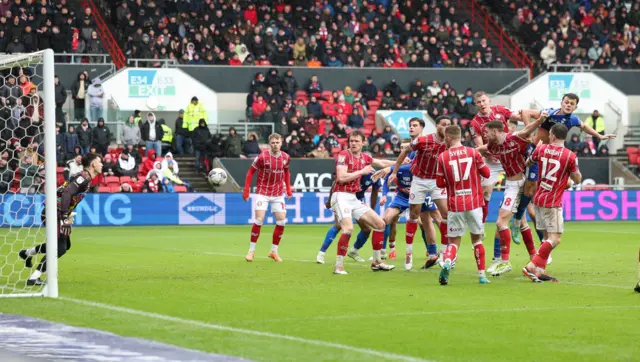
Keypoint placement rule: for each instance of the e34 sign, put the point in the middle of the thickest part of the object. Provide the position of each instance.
(146, 83)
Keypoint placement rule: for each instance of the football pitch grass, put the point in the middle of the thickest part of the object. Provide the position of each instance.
(190, 286)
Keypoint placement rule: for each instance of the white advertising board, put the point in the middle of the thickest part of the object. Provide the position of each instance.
(162, 89)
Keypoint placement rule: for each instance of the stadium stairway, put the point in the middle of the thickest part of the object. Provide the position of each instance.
(188, 172)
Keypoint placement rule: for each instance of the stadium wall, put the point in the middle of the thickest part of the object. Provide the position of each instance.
(18, 210)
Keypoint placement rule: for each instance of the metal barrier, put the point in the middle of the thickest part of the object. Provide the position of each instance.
(151, 63)
(559, 67)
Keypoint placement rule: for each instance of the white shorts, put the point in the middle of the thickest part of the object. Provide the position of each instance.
(549, 219)
(263, 202)
(512, 193)
(421, 188)
(458, 222)
(496, 168)
(345, 204)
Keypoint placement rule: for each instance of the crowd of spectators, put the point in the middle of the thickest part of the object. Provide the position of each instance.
(29, 26)
(381, 33)
(309, 115)
(602, 34)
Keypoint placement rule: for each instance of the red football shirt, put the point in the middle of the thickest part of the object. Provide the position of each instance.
(271, 173)
(555, 164)
(512, 153)
(497, 113)
(427, 148)
(354, 164)
(460, 167)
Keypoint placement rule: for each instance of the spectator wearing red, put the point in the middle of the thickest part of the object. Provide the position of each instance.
(251, 14)
(330, 108)
(147, 164)
(258, 107)
(311, 126)
(136, 185)
(235, 60)
(325, 126)
(341, 117)
(344, 106)
(151, 184)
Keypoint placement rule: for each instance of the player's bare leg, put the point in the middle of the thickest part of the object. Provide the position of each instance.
(281, 220)
(504, 216)
(536, 268)
(255, 233)
(532, 214)
(529, 190)
(343, 245)
(375, 222)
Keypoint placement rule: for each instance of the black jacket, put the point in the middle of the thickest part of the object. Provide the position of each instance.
(61, 94)
(179, 130)
(84, 137)
(200, 137)
(101, 135)
(145, 131)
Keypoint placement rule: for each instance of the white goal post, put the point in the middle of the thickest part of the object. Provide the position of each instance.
(22, 200)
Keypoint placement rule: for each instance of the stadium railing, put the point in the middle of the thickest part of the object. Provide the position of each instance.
(560, 67)
(151, 63)
(78, 58)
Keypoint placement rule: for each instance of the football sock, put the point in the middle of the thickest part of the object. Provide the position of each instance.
(274, 248)
(35, 275)
(479, 254)
(496, 247)
(252, 246)
(522, 206)
(377, 239)
(277, 233)
(412, 227)
(32, 251)
(527, 237)
(540, 259)
(505, 244)
(343, 244)
(424, 236)
(540, 235)
(392, 245)
(444, 238)
(432, 249)
(361, 239)
(255, 232)
(328, 239)
(387, 231)
(450, 253)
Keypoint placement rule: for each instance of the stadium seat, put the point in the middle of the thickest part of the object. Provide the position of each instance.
(124, 179)
(114, 189)
(104, 189)
(112, 181)
(59, 169)
(180, 188)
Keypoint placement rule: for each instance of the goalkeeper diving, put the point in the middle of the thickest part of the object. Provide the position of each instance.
(68, 195)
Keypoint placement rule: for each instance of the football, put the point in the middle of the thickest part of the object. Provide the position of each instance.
(218, 177)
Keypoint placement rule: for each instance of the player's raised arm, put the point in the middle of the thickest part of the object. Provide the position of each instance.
(526, 132)
(377, 163)
(526, 115)
(588, 130)
(406, 149)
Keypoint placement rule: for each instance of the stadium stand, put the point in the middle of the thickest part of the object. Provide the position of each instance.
(603, 35)
(390, 34)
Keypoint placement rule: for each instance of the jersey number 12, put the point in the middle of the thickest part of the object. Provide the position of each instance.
(549, 168)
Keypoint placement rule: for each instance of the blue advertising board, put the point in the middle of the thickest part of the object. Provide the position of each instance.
(303, 208)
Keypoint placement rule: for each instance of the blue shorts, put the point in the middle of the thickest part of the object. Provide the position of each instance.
(532, 172)
(401, 202)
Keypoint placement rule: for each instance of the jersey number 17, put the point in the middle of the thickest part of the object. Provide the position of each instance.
(463, 164)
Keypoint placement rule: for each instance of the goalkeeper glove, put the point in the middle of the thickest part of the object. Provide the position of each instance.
(65, 227)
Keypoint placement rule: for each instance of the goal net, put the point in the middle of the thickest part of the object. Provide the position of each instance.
(27, 171)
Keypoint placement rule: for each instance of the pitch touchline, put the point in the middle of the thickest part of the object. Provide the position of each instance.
(371, 352)
(455, 311)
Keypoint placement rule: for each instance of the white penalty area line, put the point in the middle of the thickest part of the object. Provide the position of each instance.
(200, 324)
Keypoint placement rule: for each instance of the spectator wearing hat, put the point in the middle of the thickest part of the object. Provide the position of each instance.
(170, 178)
(85, 136)
(152, 134)
(126, 165)
(95, 92)
(130, 132)
(194, 112)
(368, 90)
(101, 137)
(201, 136)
